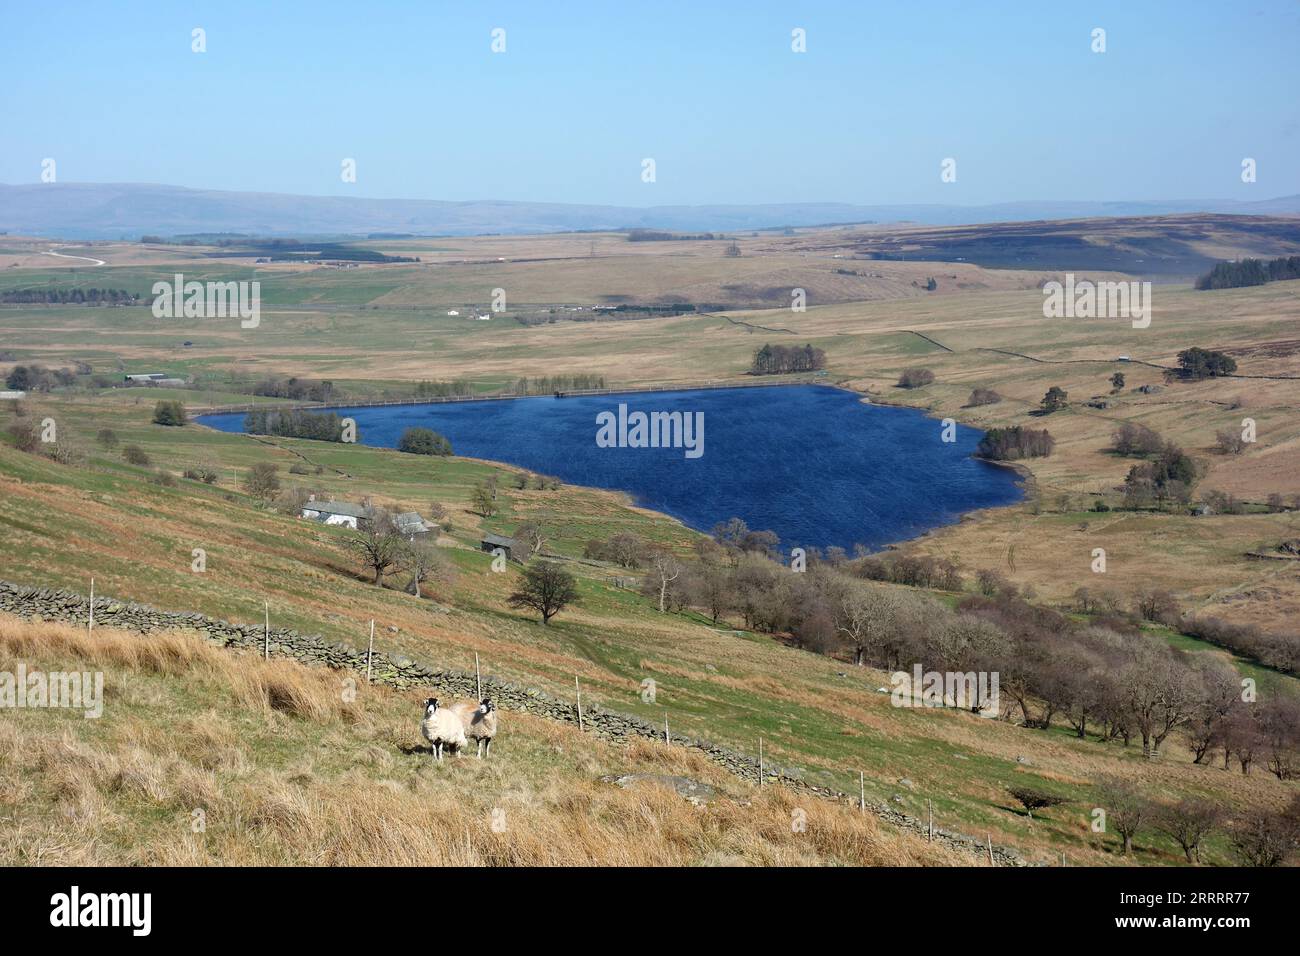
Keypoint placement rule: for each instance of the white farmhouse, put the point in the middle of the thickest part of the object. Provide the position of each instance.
(337, 512)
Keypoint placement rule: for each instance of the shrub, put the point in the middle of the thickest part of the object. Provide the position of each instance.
(262, 481)
(1055, 399)
(915, 378)
(201, 473)
(169, 413)
(1032, 799)
(107, 438)
(135, 455)
(26, 436)
(423, 441)
(983, 396)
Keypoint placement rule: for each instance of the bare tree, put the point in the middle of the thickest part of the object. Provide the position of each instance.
(1127, 813)
(865, 616)
(1266, 838)
(262, 481)
(427, 564)
(379, 544)
(664, 570)
(1187, 823)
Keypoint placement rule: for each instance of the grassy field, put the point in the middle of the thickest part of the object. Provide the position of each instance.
(203, 757)
(314, 325)
(384, 328)
(64, 524)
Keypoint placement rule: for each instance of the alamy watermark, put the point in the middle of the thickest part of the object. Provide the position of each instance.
(179, 299)
(651, 430)
(1085, 299)
(969, 690)
(72, 690)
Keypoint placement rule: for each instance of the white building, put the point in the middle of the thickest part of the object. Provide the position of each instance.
(343, 513)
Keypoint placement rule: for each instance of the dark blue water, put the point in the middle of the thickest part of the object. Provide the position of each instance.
(812, 463)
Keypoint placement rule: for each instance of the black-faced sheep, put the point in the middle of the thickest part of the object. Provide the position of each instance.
(479, 721)
(442, 728)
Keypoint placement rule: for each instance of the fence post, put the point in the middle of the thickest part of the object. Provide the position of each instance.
(90, 627)
(266, 633)
(989, 837)
(579, 690)
(478, 677)
(929, 819)
(370, 651)
(862, 791)
(667, 740)
(760, 763)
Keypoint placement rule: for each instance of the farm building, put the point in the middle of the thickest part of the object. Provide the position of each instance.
(411, 525)
(337, 512)
(510, 546)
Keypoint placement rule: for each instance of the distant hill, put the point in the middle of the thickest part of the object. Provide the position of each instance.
(118, 210)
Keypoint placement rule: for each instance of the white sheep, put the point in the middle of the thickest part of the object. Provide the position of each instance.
(479, 721)
(442, 728)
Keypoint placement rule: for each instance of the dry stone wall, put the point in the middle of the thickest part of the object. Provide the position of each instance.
(398, 671)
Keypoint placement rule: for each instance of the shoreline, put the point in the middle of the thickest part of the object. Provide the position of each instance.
(1024, 475)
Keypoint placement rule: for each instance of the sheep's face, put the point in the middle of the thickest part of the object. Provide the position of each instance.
(430, 706)
(485, 707)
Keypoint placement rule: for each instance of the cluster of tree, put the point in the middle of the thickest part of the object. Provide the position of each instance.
(295, 389)
(170, 413)
(625, 549)
(383, 549)
(525, 480)
(92, 296)
(982, 396)
(38, 378)
(1134, 440)
(915, 378)
(655, 235)
(423, 441)
(1276, 650)
(1258, 837)
(454, 389)
(1106, 678)
(1244, 272)
(914, 570)
(1199, 363)
(1010, 444)
(781, 359)
(294, 423)
(1167, 478)
(549, 384)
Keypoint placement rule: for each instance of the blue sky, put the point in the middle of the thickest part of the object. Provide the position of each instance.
(710, 90)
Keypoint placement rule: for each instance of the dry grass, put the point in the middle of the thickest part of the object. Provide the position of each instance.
(282, 771)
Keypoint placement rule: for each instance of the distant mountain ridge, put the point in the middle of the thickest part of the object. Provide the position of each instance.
(129, 210)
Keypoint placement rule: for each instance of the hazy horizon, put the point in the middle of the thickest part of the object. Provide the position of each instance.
(728, 111)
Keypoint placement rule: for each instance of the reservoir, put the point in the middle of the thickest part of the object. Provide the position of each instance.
(814, 464)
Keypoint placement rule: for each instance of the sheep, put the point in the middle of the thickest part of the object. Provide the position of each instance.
(442, 728)
(480, 722)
